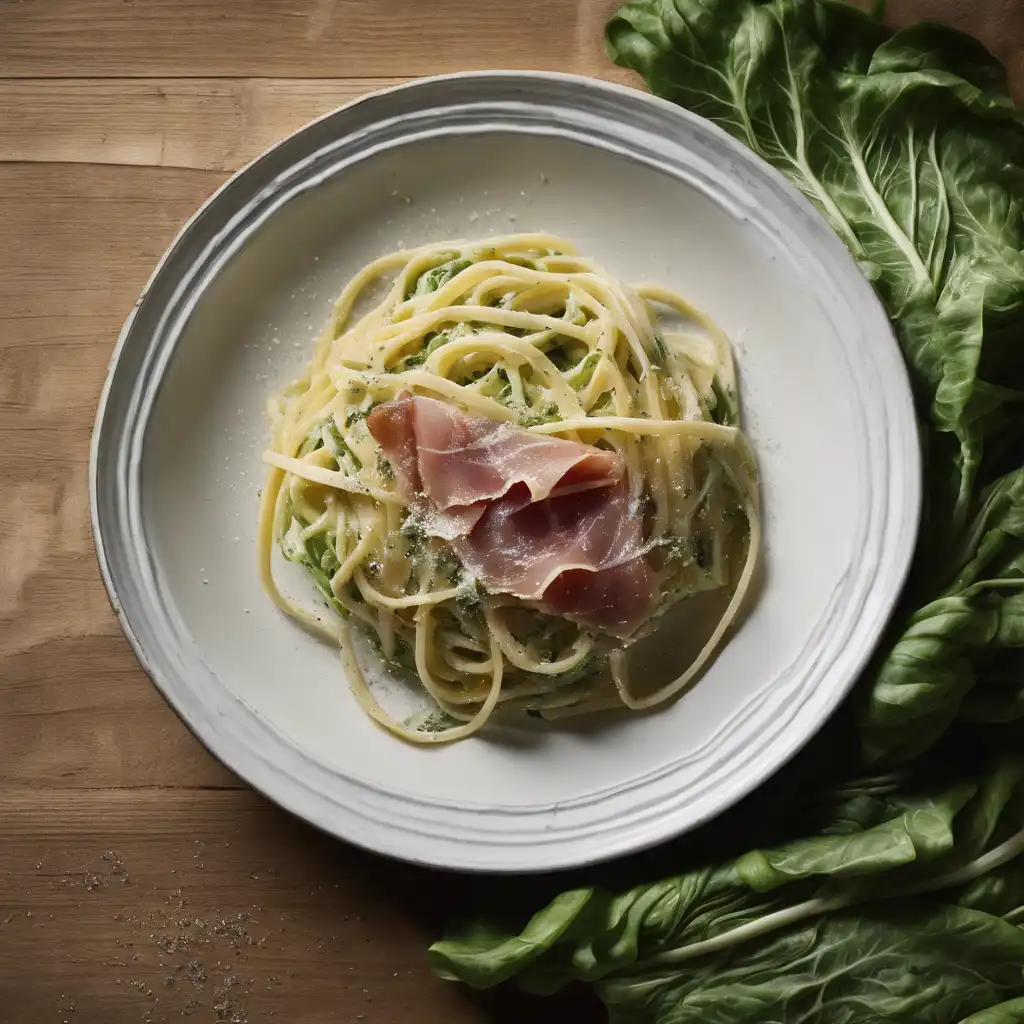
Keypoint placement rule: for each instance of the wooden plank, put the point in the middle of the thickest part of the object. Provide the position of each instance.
(295, 38)
(364, 38)
(157, 905)
(81, 241)
(78, 712)
(75, 709)
(209, 124)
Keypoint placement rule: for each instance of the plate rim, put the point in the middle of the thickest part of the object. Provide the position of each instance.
(285, 796)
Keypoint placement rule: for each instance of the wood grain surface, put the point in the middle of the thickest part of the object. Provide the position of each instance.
(139, 879)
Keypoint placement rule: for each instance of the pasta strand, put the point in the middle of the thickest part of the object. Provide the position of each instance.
(519, 329)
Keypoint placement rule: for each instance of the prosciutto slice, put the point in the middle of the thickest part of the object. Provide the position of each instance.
(541, 518)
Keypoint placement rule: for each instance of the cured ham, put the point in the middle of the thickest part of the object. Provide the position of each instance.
(542, 518)
(460, 461)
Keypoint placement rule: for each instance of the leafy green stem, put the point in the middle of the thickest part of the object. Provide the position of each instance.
(996, 858)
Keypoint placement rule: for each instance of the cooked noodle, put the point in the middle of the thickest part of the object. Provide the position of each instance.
(518, 329)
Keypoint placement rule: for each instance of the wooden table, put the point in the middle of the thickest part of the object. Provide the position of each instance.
(139, 879)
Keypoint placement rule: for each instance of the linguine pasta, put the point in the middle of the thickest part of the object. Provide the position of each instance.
(519, 330)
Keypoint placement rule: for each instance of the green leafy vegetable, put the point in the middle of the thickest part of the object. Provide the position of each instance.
(999, 892)
(574, 312)
(860, 897)
(1011, 1012)
(316, 554)
(538, 412)
(534, 408)
(929, 672)
(432, 280)
(910, 146)
(338, 446)
(583, 372)
(434, 340)
(778, 923)
(932, 964)
(360, 414)
(975, 628)
(727, 406)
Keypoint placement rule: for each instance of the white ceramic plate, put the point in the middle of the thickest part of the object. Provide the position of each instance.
(654, 194)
